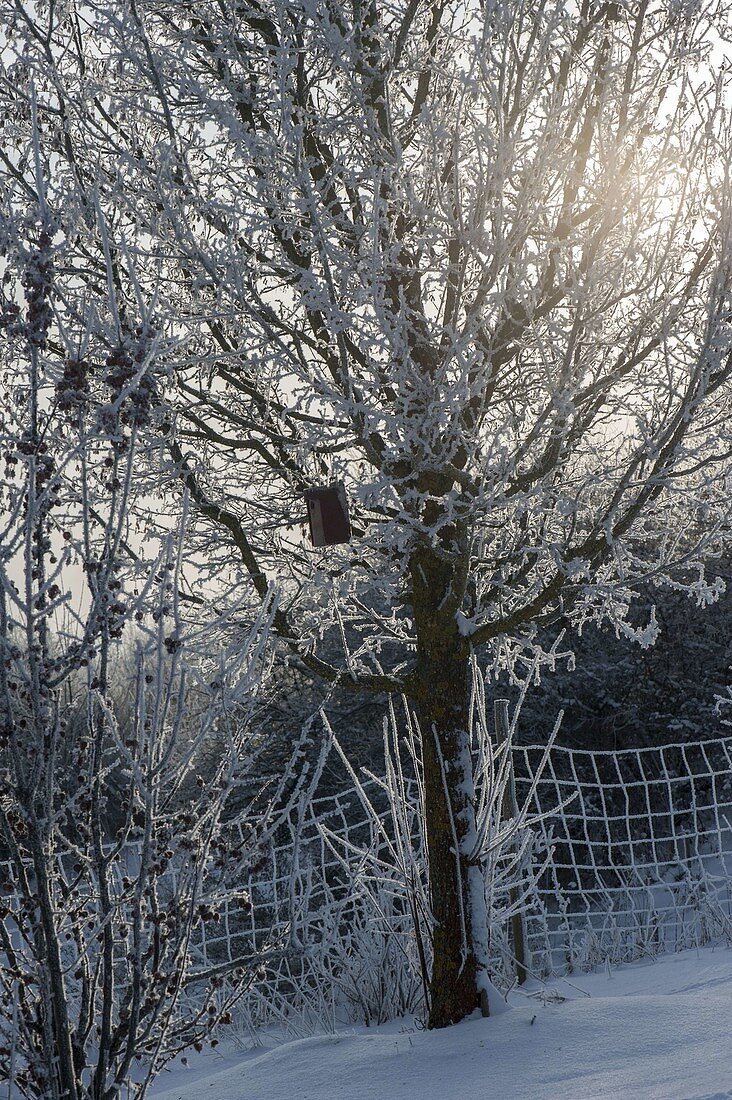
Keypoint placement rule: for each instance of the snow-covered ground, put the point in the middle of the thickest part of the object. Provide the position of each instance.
(651, 1031)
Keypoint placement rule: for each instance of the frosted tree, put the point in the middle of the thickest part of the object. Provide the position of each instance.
(119, 839)
(471, 259)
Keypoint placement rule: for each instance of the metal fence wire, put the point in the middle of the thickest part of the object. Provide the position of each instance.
(638, 858)
(641, 855)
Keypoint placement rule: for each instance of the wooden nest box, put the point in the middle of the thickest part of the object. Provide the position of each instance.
(328, 515)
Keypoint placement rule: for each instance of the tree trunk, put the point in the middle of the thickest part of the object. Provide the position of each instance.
(59, 1049)
(459, 981)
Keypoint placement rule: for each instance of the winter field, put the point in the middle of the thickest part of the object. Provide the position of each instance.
(648, 1031)
(365, 549)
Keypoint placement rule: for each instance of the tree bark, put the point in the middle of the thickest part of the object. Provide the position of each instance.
(459, 979)
(59, 1049)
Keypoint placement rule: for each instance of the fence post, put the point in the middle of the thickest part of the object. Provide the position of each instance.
(509, 810)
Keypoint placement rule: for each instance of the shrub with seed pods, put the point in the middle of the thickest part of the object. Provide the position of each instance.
(72, 389)
(37, 283)
(132, 381)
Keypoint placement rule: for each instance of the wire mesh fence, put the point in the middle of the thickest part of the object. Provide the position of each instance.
(638, 860)
(634, 858)
(641, 855)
